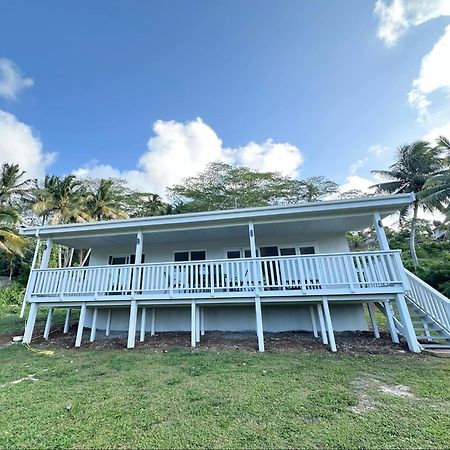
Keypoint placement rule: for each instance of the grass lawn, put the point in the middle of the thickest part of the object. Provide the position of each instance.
(121, 398)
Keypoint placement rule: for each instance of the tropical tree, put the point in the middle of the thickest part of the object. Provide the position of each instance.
(222, 186)
(415, 164)
(436, 191)
(143, 204)
(105, 200)
(12, 245)
(60, 200)
(12, 183)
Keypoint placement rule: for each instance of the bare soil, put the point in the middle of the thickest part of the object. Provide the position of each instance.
(353, 343)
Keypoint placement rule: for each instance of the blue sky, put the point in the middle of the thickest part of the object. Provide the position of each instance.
(319, 87)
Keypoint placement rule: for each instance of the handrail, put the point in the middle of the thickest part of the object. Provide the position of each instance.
(205, 261)
(434, 304)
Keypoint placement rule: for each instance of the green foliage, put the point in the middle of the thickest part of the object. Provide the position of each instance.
(434, 255)
(12, 296)
(222, 186)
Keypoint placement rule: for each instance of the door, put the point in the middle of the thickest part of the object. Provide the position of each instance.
(270, 269)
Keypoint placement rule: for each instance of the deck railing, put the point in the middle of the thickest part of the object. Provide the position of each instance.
(339, 272)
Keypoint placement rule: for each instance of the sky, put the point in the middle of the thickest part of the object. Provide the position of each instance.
(153, 91)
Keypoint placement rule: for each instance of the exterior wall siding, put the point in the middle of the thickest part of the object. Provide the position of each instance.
(276, 318)
(325, 243)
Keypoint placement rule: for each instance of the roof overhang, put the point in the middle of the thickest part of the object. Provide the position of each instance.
(357, 212)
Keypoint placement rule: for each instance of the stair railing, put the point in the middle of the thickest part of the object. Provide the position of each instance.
(430, 301)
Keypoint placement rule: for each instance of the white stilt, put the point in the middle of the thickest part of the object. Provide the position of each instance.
(323, 331)
(80, 325)
(153, 329)
(48, 323)
(326, 312)
(143, 314)
(132, 324)
(313, 321)
(29, 327)
(94, 325)
(193, 323)
(426, 330)
(408, 329)
(259, 324)
(202, 321)
(108, 322)
(197, 324)
(391, 323)
(67, 322)
(373, 320)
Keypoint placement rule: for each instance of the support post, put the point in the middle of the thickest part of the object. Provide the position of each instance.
(379, 230)
(46, 255)
(94, 325)
(202, 321)
(373, 320)
(408, 330)
(81, 325)
(253, 254)
(153, 329)
(197, 324)
(326, 311)
(48, 323)
(132, 324)
(391, 323)
(313, 321)
(108, 322)
(67, 322)
(193, 323)
(29, 327)
(30, 278)
(323, 331)
(143, 314)
(259, 324)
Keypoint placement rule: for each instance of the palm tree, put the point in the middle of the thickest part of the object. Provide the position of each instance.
(436, 190)
(105, 201)
(11, 182)
(11, 244)
(416, 163)
(60, 200)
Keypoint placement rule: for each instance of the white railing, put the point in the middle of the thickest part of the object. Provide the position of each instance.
(429, 300)
(339, 273)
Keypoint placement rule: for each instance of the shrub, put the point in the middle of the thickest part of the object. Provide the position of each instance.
(12, 295)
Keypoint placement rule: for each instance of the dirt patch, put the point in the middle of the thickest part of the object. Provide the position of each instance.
(354, 343)
(365, 386)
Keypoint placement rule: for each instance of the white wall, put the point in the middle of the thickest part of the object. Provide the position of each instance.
(276, 318)
(326, 243)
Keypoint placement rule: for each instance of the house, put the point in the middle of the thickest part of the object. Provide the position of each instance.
(267, 269)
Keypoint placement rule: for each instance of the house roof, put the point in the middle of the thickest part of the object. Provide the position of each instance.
(365, 206)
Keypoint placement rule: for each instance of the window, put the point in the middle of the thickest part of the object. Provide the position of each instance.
(119, 260)
(194, 255)
(233, 254)
(308, 250)
(238, 252)
(288, 251)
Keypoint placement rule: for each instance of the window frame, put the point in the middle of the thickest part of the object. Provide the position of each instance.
(189, 252)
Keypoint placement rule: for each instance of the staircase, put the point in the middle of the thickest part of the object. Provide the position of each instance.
(430, 313)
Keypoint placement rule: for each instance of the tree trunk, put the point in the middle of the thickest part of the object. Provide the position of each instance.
(412, 236)
(11, 269)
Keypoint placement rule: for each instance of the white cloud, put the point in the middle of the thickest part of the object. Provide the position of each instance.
(398, 15)
(434, 74)
(179, 150)
(357, 165)
(356, 183)
(12, 82)
(19, 145)
(378, 149)
(443, 130)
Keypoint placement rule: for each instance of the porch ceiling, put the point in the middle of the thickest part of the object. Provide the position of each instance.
(298, 227)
